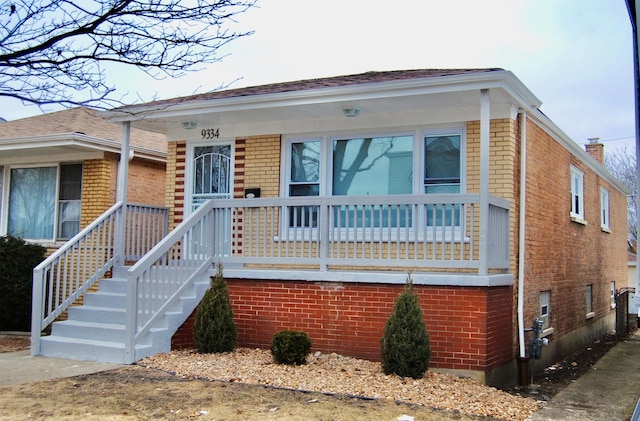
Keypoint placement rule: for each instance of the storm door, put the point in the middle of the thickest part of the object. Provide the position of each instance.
(210, 178)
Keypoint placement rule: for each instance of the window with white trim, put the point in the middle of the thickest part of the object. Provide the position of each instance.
(577, 193)
(604, 209)
(374, 165)
(545, 309)
(44, 202)
(357, 166)
(442, 175)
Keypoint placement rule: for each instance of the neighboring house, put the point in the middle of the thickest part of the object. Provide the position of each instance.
(58, 173)
(320, 197)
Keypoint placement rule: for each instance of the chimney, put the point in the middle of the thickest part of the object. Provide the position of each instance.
(595, 149)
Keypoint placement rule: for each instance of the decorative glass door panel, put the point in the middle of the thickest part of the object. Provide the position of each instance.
(211, 179)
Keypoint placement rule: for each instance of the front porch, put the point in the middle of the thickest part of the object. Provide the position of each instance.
(444, 240)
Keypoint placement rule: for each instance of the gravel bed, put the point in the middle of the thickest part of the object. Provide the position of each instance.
(336, 374)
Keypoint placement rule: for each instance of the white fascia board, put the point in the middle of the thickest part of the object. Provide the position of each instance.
(375, 90)
(563, 139)
(76, 140)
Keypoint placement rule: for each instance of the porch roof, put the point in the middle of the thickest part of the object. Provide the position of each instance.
(434, 92)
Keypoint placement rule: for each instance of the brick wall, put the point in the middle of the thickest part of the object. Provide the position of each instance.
(146, 182)
(262, 163)
(175, 179)
(564, 256)
(97, 195)
(349, 319)
(99, 183)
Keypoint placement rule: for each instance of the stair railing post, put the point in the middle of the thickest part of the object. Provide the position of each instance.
(131, 319)
(37, 310)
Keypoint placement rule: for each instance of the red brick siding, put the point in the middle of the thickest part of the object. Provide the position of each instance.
(563, 256)
(349, 319)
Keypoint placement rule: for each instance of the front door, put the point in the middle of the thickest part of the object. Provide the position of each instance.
(210, 178)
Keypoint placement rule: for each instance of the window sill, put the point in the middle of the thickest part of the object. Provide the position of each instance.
(578, 220)
(590, 315)
(605, 229)
(547, 332)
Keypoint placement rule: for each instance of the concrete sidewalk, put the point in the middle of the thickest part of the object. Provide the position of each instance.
(21, 367)
(609, 391)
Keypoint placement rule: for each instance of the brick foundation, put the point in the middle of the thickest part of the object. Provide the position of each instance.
(470, 328)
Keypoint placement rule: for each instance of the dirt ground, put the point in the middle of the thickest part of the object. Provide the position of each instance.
(141, 393)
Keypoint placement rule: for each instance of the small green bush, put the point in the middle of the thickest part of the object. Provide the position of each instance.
(17, 260)
(405, 344)
(290, 347)
(214, 328)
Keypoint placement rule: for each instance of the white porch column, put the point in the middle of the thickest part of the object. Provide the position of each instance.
(485, 121)
(121, 194)
(123, 167)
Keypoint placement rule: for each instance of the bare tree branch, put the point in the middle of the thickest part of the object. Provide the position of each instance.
(622, 165)
(56, 51)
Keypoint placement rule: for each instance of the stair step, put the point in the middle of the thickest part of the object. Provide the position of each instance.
(97, 314)
(89, 330)
(113, 285)
(106, 299)
(86, 349)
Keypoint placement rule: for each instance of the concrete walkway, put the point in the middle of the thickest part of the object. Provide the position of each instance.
(20, 367)
(609, 391)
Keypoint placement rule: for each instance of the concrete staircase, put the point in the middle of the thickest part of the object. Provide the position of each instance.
(95, 331)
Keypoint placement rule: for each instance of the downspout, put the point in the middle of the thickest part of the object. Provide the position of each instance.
(521, 230)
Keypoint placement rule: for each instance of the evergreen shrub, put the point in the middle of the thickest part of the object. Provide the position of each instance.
(405, 347)
(290, 347)
(17, 260)
(214, 328)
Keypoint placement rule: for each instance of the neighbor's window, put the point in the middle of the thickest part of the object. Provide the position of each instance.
(37, 196)
(604, 209)
(589, 301)
(545, 308)
(577, 193)
(69, 200)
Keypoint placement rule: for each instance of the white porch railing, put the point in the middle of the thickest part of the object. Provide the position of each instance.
(415, 231)
(70, 271)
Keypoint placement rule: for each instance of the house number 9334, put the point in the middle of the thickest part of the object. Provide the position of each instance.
(210, 133)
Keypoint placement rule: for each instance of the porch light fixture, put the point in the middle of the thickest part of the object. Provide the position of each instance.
(350, 111)
(189, 125)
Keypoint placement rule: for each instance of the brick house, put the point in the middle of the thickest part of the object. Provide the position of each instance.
(320, 196)
(58, 173)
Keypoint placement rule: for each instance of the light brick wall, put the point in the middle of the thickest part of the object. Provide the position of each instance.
(146, 182)
(97, 194)
(146, 185)
(262, 164)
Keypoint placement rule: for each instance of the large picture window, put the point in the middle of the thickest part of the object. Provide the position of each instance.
(372, 166)
(375, 165)
(44, 202)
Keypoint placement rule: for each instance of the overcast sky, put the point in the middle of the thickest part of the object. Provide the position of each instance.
(575, 55)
